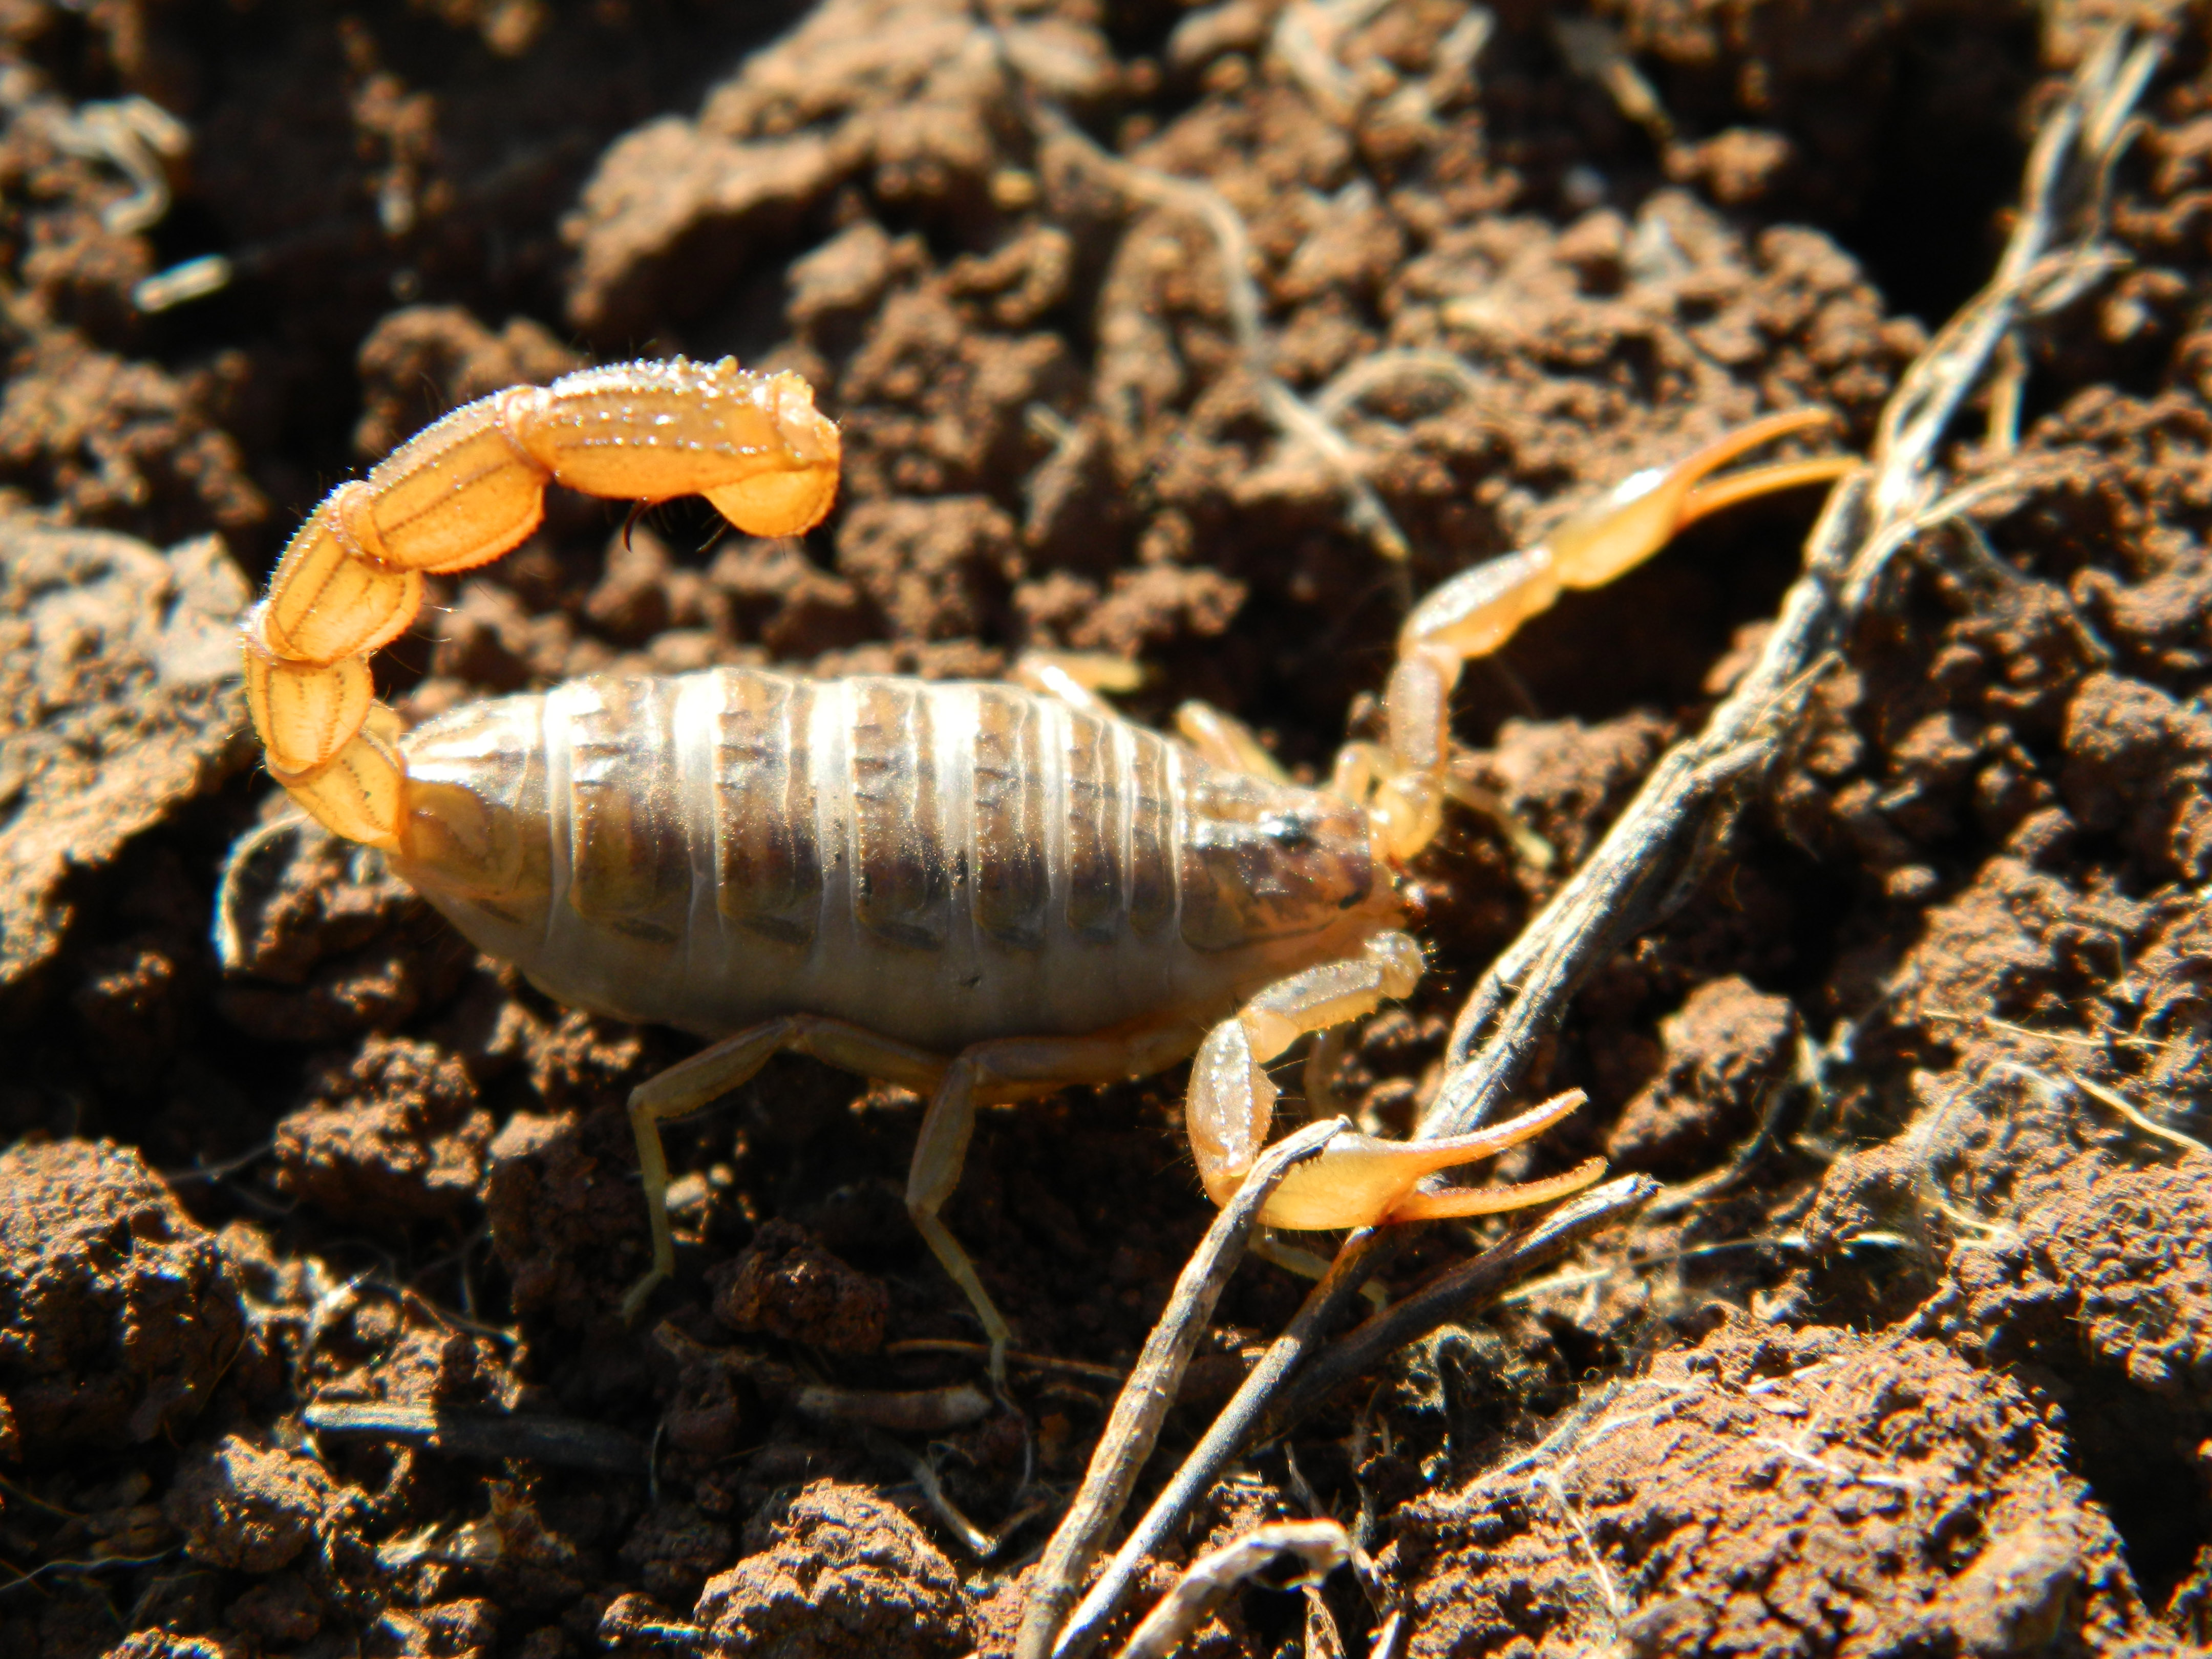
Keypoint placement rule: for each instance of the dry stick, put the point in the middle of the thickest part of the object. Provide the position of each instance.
(1648, 851)
(1452, 1295)
(2126, 1108)
(978, 1543)
(909, 1411)
(1206, 1582)
(562, 1442)
(1204, 1462)
(1458, 1291)
(1134, 1426)
(1035, 1362)
(1381, 368)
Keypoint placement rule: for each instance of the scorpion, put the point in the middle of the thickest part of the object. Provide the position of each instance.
(982, 891)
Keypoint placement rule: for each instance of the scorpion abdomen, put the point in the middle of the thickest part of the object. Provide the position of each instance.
(945, 862)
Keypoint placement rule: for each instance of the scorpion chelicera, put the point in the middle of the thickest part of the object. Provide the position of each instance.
(980, 891)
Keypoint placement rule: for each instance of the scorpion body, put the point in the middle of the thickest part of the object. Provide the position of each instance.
(978, 892)
(944, 863)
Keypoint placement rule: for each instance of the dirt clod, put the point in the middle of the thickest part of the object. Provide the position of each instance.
(465, 1629)
(1930, 1508)
(557, 1205)
(787, 1284)
(250, 1507)
(118, 1312)
(316, 939)
(1729, 1045)
(675, 1549)
(120, 700)
(840, 1570)
(395, 1133)
(279, 1612)
(936, 569)
(120, 444)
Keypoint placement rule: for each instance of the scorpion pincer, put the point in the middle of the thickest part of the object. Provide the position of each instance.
(981, 893)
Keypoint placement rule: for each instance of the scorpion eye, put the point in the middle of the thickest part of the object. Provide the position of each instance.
(1286, 830)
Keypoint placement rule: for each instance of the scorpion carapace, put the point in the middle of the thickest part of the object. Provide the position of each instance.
(981, 893)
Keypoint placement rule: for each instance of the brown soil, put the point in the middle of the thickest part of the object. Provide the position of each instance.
(1915, 1355)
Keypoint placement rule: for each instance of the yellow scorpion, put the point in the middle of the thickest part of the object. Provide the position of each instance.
(981, 893)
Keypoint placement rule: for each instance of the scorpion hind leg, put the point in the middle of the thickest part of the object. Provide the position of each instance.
(1014, 1069)
(1223, 740)
(1077, 677)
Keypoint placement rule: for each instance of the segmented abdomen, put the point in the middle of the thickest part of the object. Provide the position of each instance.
(940, 862)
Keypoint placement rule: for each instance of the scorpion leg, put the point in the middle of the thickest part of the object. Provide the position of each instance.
(1402, 781)
(1012, 1068)
(1076, 677)
(1358, 1181)
(691, 1085)
(1223, 740)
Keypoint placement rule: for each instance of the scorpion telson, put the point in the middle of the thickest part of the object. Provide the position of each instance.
(982, 892)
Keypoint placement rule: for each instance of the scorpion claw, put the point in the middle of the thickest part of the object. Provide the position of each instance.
(1644, 511)
(1362, 1182)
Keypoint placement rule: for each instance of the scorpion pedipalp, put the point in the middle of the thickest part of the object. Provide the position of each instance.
(1478, 610)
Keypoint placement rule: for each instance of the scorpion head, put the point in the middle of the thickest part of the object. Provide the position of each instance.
(1265, 862)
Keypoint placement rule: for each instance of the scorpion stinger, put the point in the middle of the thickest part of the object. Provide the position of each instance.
(466, 490)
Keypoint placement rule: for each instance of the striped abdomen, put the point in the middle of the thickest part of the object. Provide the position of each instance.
(940, 862)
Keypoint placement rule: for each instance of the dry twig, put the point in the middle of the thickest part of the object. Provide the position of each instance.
(2128, 1109)
(1134, 1426)
(1458, 1291)
(1207, 1582)
(912, 1411)
(1452, 1294)
(563, 1443)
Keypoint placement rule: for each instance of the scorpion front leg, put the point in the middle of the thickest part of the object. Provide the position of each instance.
(1401, 783)
(1358, 1181)
(466, 490)
(1012, 1068)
